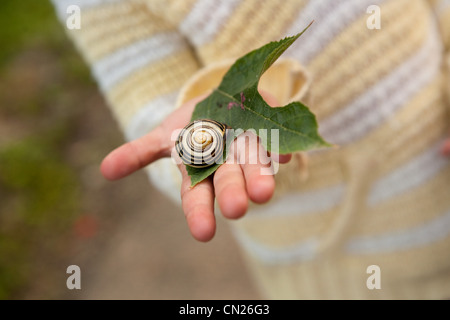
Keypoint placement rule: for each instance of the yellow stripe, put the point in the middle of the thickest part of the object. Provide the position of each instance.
(173, 11)
(279, 231)
(113, 26)
(338, 68)
(166, 76)
(248, 29)
(323, 170)
(412, 264)
(409, 210)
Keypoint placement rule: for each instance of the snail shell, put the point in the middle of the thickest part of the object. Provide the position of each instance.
(201, 143)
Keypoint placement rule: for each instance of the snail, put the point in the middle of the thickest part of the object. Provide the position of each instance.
(201, 143)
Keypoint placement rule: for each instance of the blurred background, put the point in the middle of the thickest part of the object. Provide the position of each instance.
(56, 210)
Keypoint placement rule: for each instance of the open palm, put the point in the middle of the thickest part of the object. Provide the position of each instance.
(233, 185)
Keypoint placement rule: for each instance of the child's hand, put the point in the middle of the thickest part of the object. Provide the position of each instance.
(233, 184)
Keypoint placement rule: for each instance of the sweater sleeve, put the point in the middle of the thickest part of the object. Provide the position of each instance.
(139, 60)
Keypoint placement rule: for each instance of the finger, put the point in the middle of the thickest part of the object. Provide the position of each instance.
(134, 155)
(138, 153)
(198, 206)
(446, 148)
(230, 190)
(280, 158)
(257, 168)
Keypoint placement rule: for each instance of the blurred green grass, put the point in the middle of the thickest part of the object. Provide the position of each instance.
(39, 188)
(22, 21)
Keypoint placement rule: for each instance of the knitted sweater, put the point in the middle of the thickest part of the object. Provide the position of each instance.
(381, 198)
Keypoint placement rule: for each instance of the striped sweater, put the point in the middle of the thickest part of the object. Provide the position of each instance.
(382, 198)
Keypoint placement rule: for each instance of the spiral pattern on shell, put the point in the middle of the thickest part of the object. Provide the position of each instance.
(201, 143)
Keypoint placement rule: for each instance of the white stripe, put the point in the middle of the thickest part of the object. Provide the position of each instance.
(379, 102)
(441, 6)
(412, 174)
(435, 230)
(115, 67)
(316, 10)
(300, 203)
(150, 115)
(62, 5)
(331, 18)
(205, 20)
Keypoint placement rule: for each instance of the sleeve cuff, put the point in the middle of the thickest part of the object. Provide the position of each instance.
(287, 80)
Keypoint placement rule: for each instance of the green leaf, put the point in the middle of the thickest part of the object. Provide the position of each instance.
(237, 103)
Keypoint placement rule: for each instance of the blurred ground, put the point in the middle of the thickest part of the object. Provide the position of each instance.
(57, 210)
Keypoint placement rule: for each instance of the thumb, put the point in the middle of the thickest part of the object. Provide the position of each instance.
(132, 156)
(149, 148)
